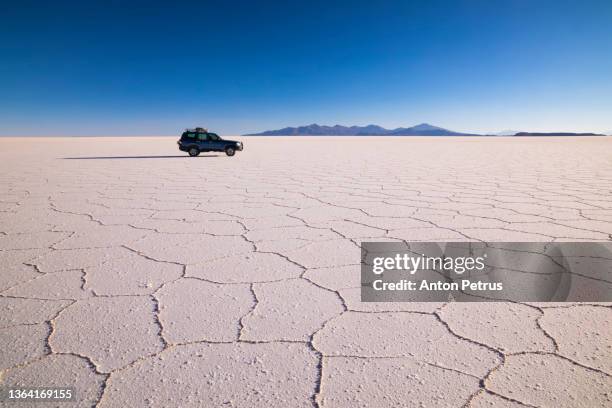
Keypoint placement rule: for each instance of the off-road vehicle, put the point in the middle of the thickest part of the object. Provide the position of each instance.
(194, 141)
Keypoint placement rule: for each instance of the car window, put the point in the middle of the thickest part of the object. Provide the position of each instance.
(213, 136)
(189, 135)
(202, 136)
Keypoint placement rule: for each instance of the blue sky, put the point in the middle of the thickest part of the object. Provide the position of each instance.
(153, 68)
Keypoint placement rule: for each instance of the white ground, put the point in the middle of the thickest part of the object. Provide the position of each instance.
(143, 277)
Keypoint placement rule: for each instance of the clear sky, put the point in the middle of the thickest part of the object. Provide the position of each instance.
(153, 68)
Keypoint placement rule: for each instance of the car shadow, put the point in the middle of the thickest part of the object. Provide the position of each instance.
(137, 157)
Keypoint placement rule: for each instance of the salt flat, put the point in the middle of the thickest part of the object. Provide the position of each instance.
(144, 277)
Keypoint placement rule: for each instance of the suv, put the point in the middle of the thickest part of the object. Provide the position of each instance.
(194, 141)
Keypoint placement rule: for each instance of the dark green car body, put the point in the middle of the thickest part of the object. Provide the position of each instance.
(196, 141)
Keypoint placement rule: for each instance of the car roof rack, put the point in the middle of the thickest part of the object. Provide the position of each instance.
(197, 129)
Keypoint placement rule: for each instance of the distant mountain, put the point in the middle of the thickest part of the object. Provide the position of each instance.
(423, 129)
(557, 134)
(322, 130)
(506, 133)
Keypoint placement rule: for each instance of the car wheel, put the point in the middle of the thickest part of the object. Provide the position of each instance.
(230, 151)
(193, 152)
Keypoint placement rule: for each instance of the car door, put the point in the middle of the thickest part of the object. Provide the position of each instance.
(203, 142)
(216, 143)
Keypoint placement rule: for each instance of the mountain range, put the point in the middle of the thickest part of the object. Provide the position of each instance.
(424, 129)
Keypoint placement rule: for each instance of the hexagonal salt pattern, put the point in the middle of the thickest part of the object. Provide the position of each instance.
(152, 280)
